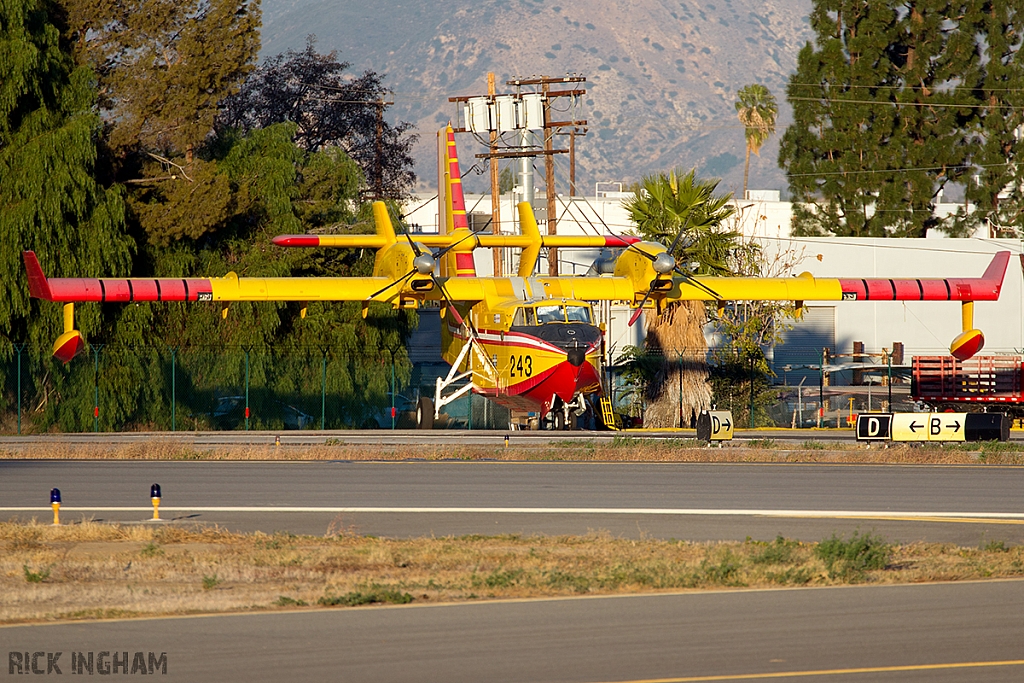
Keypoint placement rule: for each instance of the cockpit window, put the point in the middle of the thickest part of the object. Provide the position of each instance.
(578, 314)
(550, 314)
(520, 318)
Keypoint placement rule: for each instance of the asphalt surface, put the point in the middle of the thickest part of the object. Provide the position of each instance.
(936, 633)
(694, 501)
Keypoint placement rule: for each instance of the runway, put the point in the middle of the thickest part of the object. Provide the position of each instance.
(692, 501)
(935, 633)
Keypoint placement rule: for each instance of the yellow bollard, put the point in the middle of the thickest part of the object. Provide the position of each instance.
(55, 504)
(154, 495)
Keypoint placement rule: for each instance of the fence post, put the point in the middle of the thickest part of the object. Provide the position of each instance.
(18, 348)
(392, 388)
(888, 382)
(821, 389)
(96, 387)
(247, 390)
(174, 388)
(323, 392)
(751, 390)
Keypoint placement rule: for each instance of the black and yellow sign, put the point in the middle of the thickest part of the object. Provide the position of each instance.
(929, 427)
(714, 425)
(874, 427)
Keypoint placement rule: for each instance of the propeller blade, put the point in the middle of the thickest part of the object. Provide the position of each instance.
(697, 283)
(448, 299)
(639, 309)
(400, 281)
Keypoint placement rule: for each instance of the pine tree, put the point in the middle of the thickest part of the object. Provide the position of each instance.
(879, 122)
(994, 134)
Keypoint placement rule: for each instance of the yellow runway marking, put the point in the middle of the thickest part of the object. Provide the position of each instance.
(830, 672)
(956, 520)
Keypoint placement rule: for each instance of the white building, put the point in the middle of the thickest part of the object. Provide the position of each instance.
(924, 327)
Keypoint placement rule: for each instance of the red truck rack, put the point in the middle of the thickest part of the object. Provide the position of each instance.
(944, 382)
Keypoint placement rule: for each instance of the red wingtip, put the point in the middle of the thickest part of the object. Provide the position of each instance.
(38, 287)
(636, 314)
(997, 269)
(296, 241)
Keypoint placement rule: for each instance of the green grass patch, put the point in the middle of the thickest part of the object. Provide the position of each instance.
(851, 559)
(36, 577)
(376, 595)
(761, 444)
(813, 446)
(725, 572)
(779, 551)
(996, 547)
(285, 601)
(151, 550)
(792, 576)
(210, 582)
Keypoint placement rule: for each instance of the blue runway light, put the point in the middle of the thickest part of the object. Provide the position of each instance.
(154, 491)
(54, 496)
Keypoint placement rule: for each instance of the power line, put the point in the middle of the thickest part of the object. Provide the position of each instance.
(899, 170)
(826, 100)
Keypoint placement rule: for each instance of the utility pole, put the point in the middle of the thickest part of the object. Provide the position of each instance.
(549, 177)
(495, 189)
(498, 108)
(551, 128)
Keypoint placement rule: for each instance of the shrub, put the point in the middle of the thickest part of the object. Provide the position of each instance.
(850, 559)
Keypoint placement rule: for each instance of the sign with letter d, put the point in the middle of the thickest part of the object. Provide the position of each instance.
(874, 427)
(714, 425)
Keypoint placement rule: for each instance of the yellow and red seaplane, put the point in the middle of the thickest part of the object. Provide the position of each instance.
(528, 342)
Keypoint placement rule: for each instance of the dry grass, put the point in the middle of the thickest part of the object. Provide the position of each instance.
(92, 570)
(627, 447)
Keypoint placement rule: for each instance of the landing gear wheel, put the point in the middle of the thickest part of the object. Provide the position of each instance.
(559, 420)
(424, 413)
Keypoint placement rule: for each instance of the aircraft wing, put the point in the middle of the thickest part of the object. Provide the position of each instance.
(231, 288)
(227, 288)
(808, 288)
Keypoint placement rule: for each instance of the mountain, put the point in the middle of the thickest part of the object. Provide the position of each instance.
(661, 76)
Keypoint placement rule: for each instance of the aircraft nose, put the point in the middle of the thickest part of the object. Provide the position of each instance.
(576, 356)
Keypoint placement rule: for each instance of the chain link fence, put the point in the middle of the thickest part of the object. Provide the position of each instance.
(216, 388)
(206, 388)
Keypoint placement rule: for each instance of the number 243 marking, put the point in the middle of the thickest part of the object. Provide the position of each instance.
(523, 365)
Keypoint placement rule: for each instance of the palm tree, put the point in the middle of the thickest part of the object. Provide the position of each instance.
(756, 109)
(662, 206)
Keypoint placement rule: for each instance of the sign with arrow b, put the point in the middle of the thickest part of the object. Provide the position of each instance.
(929, 427)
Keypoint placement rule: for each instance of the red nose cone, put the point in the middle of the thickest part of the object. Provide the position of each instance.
(967, 344)
(68, 345)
